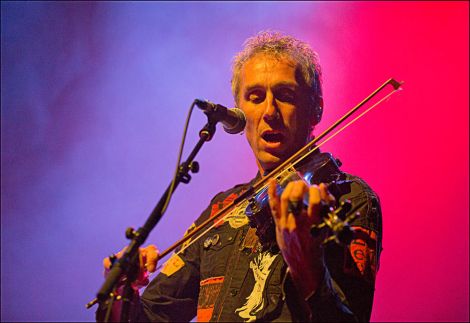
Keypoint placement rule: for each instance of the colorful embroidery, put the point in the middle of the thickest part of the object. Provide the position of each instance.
(208, 293)
(261, 267)
(236, 217)
(363, 251)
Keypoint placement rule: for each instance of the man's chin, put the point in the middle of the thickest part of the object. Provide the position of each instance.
(268, 161)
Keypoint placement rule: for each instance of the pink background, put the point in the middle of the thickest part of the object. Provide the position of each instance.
(93, 101)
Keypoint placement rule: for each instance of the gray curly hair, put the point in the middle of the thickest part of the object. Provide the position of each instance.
(278, 44)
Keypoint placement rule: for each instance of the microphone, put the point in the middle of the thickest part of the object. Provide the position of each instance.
(233, 120)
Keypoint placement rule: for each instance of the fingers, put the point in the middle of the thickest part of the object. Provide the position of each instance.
(317, 194)
(273, 199)
(294, 192)
(107, 261)
(325, 195)
(149, 258)
(285, 196)
(299, 188)
(314, 200)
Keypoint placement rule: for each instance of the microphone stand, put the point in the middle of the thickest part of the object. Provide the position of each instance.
(126, 268)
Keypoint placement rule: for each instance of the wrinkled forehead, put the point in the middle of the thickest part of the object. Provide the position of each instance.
(271, 60)
(277, 67)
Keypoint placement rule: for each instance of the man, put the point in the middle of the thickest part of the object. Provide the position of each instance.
(232, 273)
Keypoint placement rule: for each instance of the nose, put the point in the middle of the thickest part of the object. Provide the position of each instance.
(271, 111)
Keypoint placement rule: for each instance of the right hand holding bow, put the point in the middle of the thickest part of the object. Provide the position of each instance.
(147, 264)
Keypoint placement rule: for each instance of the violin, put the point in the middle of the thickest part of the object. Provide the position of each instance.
(321, 167)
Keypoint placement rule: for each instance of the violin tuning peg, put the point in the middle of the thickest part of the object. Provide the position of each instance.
(344, 207)
(346, 203)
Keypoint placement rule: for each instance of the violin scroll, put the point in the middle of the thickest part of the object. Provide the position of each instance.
(337, 222)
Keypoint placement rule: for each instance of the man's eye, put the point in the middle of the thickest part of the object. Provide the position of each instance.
(256, 97)
(286, 95)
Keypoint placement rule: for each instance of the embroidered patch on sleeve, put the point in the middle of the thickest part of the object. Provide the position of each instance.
(172, 265)
(363, 252)
(208, 293)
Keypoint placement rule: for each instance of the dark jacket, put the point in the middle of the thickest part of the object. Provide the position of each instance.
(227, 276)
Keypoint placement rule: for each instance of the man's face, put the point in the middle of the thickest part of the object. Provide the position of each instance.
(276, 109)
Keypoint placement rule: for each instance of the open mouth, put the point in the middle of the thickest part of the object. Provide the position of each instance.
(272, 137)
